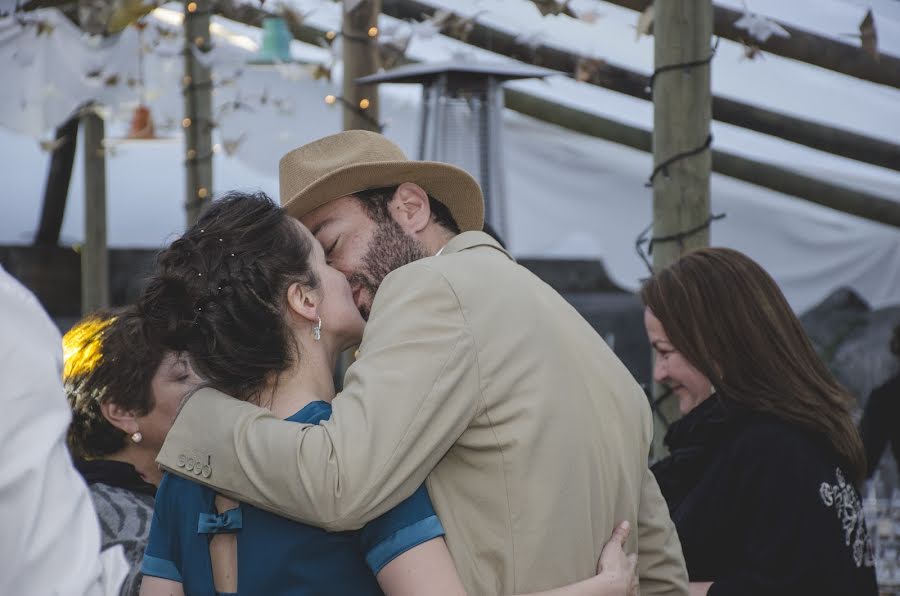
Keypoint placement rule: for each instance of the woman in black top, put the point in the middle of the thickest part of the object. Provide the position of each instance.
(764, 466)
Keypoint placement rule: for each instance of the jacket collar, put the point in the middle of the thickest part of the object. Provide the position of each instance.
(468, 240)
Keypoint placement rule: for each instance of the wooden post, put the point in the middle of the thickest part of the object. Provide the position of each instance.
(94, 256)
(682, 108)
(198, 121)
(56, 189)
(360, 52)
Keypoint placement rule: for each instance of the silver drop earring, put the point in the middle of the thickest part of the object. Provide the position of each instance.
(317, 330)
(137, 437)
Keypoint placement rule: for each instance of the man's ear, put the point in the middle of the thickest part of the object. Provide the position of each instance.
(119, 417)
(303, 302)
(410, 208)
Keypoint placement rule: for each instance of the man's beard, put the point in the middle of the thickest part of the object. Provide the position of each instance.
(389, 249)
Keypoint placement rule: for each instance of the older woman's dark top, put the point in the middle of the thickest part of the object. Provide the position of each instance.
(763, 506)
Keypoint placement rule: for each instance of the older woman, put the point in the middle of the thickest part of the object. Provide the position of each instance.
(124, 393)
(761, 480)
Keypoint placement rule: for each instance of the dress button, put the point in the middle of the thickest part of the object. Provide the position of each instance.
(181, 460)
(207, 471)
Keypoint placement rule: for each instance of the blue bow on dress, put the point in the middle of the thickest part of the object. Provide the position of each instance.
(220, 523)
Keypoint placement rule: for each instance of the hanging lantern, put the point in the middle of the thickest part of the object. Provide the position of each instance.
(141, 124)
(276, 43)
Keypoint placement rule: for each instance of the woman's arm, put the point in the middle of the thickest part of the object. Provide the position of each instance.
(157, 586)
(428, 569)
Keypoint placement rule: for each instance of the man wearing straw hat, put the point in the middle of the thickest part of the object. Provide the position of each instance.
(472, 376)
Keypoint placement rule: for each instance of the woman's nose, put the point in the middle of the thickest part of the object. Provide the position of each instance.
(659, 370)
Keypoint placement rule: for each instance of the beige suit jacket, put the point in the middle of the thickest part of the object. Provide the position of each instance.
(475, 376)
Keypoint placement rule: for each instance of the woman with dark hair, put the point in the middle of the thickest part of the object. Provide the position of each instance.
(124, 392)
(248, 294)
(764, 466)
(880, 422)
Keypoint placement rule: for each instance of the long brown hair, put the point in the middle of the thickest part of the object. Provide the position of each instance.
(726, 315)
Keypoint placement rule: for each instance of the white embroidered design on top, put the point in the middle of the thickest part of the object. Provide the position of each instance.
(848, 507)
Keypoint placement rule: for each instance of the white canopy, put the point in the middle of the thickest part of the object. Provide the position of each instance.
(569, 195)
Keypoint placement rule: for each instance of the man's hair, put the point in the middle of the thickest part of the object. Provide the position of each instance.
(375, 201)
(107, 360)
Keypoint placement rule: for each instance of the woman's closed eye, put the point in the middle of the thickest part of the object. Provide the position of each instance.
(330, 248)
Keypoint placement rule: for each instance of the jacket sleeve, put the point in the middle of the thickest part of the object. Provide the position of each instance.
(412, 392)
(661, 567)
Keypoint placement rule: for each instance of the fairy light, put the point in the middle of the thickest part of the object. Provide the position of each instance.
(363, 103)
(186, 123)
(330, 35)
(373, 31)
(330, 99)
(192, 7)
(202, 192)
(199, 41)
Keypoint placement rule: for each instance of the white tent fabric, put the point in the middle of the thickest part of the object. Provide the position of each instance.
(569, 195)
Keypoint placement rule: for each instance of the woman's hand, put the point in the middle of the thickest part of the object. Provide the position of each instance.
(617, 569)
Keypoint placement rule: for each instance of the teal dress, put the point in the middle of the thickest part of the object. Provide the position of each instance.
(277, 556)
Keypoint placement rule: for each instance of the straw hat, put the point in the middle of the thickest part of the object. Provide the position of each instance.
(357, 160)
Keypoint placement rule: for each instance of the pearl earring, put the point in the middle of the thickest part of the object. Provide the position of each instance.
(317, 330)
(137, 437)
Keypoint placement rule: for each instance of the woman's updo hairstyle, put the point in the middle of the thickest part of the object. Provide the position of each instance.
(220, 290)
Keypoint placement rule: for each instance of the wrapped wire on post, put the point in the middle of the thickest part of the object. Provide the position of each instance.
(642, 239)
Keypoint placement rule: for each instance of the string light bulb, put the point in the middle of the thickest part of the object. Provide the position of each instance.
(186, 123)
(330, 99)
(373, 31)
(330, 35)
(192, 7)
(199, 41)
(216, 148)
(363, 103)
(202, 192)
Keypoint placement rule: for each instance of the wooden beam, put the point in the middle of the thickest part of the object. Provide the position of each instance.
(802, 45)
(94, 257)
(848, 200)
(616, 78)
(56, 189)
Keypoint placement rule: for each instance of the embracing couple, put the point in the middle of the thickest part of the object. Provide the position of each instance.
(486, 440)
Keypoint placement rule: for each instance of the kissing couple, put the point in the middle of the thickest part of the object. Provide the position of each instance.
(486, 440)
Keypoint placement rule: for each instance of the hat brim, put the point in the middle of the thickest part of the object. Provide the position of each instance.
(452, 186)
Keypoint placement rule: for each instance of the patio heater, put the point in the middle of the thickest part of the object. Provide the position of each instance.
(461, 120)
